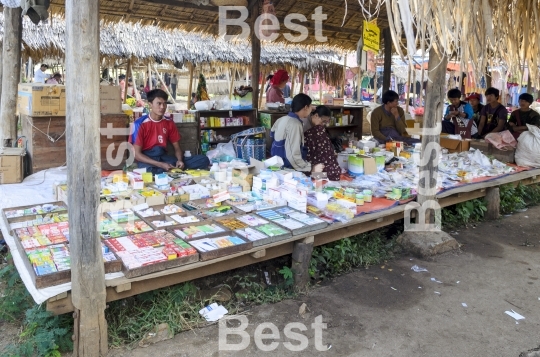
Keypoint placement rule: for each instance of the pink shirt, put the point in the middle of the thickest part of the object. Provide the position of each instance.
(275, 95)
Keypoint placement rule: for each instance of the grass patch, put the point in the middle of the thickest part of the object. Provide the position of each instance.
(464, 213)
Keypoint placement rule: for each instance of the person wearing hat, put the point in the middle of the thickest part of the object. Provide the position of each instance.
(519, 119)
(474, 100)
(40, 76)
(278, 81)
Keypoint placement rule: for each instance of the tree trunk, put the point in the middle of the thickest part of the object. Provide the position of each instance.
(190, 87)
(84, 173)
(302, 81)
(11, 67)
(255, 57)
(432, 129)
(387, 72)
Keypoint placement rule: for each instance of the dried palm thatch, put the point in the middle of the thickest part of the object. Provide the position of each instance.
(145, 44)
(479, 32)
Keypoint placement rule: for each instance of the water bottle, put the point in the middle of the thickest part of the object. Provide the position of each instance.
(187, 153)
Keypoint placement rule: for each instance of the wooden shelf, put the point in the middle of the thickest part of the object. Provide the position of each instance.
(226, 127)
(342, 126)
(218, 142)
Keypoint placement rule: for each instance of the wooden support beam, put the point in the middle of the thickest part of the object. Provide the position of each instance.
(293, 81)
(123, 287)
(255, 55)
(164, 85)
(11, 69)
(126, 82)
(83, 177)
(493, 200)
(301, 257)
(130, 9)
(302, 81)
(432, 119)
(261, 90)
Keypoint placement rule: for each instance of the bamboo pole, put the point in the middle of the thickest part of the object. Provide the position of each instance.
(375, 79)
(387, 71)
(408, 90)
(255, 55)
(190, 87)
(293, 81)
(150, 84)
(320, 87)
(88, 292)
(261, 90)
(302, 81)
(163, 84)
(126, 82)
(415, 92)
(11, 70)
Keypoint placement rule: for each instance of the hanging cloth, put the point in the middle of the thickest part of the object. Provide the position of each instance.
(37, 10)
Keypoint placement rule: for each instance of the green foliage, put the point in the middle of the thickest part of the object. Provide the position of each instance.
(254, 293)
(531, 194)
(42, 335)
(464, 213)
(287, 274)
(16, 300)
(343, 255)
(512, 198)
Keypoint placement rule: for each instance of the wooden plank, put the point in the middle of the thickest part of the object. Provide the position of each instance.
(259, 254)
(88, 292)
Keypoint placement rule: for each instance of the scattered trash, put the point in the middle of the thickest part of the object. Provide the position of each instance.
(436, 292)
(521, 210)
(515, 315)
(328, 346)
(526, 216)
(390, 269)
(418, 269)
(160, 333)
(376, 278)
(302, 310)
(457, 282)
(435, 280)
(454, 233)
(267, 277)
(213, 312)
(421, 288)
(393, 288)
(382, 267)
(463, 304)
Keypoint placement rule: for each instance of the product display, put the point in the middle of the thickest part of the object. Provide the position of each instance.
(198, 231)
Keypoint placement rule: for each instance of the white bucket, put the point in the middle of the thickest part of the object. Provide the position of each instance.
(343, 161)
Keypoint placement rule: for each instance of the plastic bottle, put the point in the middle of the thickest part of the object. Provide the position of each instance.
(263, 185)
(187, 153)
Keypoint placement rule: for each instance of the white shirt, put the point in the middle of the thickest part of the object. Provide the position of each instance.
(40, 76)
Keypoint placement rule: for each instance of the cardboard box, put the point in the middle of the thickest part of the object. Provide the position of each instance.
(246, 186)
(506, 156)
(455, 145)
(37, 99)
(245, 174)
(177, 199)
(370, 165)
(11, 165)
(62, 193)
(110, 99)
(339, 102)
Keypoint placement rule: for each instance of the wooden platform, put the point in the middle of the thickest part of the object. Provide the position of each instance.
(123, 287)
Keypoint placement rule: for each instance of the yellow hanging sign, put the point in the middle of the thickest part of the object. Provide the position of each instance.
(371, 36)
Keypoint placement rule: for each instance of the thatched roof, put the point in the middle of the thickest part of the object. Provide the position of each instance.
(145, 43)
(342, 27)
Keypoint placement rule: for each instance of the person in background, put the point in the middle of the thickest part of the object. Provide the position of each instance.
(193, 101)
(268, 80)
(458, 116)
(288, 136)
(474, 100)
(150, 136)
(142, 93)
(519, 119)
(348, 91)
(388, 121)
(287, 91)
(55, 79)
(122, 84)
(494, 116)
(279, 81)
(174, 83)
(319, 147)
(40, 76)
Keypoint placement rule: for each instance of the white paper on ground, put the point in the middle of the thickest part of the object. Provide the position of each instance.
(463, 304)
(213, 312)
(435, 280)
(418, 269)
(514, 314)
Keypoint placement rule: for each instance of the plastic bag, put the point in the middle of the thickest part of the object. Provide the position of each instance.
(528, 147)
(227, 149)
(502, 141)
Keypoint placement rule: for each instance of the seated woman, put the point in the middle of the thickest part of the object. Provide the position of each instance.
(524, 115)
(279, 81)
(288, 136)
(319, 147)
(388, 121)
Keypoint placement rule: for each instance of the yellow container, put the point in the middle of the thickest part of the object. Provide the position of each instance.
(147, 177)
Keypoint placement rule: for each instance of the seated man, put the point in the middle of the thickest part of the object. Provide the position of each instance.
(150, 135)
(388, 121)
(457, 119)
(494, 116)
(524, 115)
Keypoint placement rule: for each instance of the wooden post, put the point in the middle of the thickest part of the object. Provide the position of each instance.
(293, 81)
(408, 89)
(190, 87)
(84, 173)
(229, 84)
(415, 92)
(320, 87)
(493, 200)
(255, 54)
(164, 85)
(302, 81)
(150, 84)
(11, 70)
(432, 118)
(261, 90)
(1, 71)
(301, 257)
(375, 79)
(488, 77)
(128, 74)
(387, 71)
(344, 75)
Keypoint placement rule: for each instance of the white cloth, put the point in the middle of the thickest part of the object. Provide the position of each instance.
(11, 3)
(40, 76)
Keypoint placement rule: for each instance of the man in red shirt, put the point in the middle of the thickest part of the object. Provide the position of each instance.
(151, 134)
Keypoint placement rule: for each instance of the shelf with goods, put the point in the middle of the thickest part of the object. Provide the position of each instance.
(353, 122)
(216, 126)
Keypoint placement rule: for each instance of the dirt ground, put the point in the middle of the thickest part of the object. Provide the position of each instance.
(389, 310)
